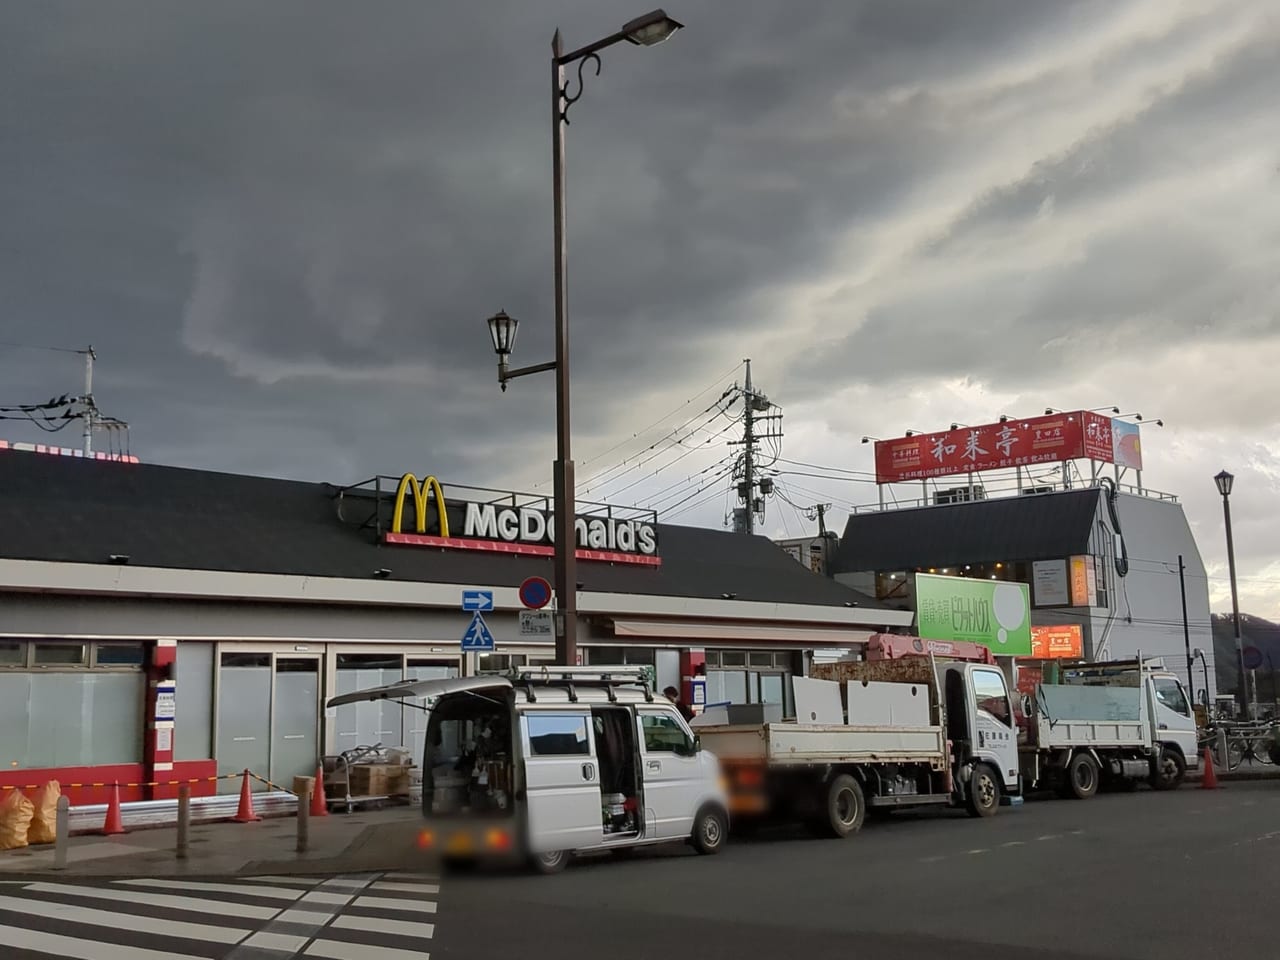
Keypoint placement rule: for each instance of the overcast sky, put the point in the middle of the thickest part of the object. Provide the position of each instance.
(283, 225)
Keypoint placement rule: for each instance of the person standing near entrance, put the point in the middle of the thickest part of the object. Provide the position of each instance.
(673, 695)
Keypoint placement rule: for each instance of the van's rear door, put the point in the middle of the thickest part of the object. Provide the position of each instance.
(405, 689)
(562, 779)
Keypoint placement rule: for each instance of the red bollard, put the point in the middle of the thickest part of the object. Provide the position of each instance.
(113, 824)
(245, 813)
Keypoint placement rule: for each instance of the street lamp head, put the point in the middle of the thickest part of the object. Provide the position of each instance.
(502, 331)
(651, 29)
(1224, 481)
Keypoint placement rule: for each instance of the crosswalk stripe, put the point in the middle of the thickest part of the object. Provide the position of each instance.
(265, 892)
(38, 941)
(130, 897)
(406, 887)
(72, 913)
(300, 881)
(286, 942)
(387, 903)
(401, 928)
(420, 877)
(340, 950)
(319, 896)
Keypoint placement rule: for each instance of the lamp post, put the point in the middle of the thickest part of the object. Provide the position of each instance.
(646, 31)
(1225, 481)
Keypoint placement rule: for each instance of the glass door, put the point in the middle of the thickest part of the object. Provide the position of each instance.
(294, 749)
(244, 716)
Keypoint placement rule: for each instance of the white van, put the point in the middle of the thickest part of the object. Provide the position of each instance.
(552, 761)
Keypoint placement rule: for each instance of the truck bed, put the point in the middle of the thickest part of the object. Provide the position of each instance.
(791, 743)
(1080, 716)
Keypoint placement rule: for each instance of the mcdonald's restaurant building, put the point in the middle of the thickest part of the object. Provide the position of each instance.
(161, 624)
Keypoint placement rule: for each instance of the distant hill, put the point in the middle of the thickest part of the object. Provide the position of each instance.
(1255, 632)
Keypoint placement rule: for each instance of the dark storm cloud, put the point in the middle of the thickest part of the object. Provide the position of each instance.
(305, 211)
(282, 225)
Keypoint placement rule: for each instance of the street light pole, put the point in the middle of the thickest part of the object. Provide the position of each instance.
(1225, 481)
(653, 28)
(565, 575)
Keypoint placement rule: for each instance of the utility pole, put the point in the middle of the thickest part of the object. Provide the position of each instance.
(90, 409)
(757, 409)
(749, 446)
(822, 509)
(1186, 629)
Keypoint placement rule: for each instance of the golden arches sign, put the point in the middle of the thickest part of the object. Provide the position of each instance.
(430, 485)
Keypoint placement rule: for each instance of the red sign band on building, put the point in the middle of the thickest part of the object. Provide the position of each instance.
(527, 549)
(1028, 442)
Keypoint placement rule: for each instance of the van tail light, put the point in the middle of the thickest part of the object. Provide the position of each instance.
(426, 840)
(750, 776)
(498, 839)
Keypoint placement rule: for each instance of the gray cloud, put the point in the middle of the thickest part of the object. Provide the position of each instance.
(283, 226)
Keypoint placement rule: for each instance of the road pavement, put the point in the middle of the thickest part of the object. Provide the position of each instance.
(1144, 875)
(1169, 876)
(349, 917)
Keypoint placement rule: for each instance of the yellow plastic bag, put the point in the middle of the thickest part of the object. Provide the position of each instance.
(44, 824)
(16, 812)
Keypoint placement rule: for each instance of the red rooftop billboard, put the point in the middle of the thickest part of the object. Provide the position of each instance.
(1053, 438)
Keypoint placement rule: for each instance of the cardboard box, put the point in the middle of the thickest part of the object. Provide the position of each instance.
(379, 780)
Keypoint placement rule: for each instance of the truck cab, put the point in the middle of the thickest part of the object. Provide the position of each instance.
(981, 725)
(549, 762)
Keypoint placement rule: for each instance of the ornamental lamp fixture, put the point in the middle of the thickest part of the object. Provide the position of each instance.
(1224, 481)
(502, 331)
(651, 29)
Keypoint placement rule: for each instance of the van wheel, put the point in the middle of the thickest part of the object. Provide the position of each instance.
(845, 808)
(549, 863)
(1167, 772)
(1081, 777)
(984, 792)
(709, 829)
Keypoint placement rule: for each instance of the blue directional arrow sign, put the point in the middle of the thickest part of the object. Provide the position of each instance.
(478, 636)
(477, 600)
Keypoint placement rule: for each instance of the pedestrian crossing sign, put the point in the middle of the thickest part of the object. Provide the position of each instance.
(478, 635)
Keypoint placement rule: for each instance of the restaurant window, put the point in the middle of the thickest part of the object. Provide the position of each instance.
(57, 710)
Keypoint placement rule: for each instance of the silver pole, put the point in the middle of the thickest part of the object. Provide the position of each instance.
(184, 820)
(61, 833)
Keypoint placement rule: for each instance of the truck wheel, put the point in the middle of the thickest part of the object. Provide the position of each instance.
(709, 829)
(984, 792)
(1167, 772)
(1081, 777)
(551, 862)
(846, 808)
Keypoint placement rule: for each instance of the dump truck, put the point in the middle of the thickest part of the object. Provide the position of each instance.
(905, 729)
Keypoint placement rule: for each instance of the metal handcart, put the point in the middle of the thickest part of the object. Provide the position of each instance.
(337, 777)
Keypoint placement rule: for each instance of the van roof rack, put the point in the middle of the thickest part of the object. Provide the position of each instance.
(608, 677)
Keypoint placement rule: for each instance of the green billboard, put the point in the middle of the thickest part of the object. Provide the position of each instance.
(994, 613)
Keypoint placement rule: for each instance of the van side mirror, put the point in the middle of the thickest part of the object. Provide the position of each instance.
(697, 743)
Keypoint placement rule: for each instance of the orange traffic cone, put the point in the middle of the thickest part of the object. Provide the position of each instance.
(318, 807)
(245, 814)
(113, 824)
(1210, 779)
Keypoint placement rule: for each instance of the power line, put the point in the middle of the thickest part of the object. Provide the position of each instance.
(711, 481)
(681, 485)
(650, 459)
(667, 438)
(36, 346)
(661, 420)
